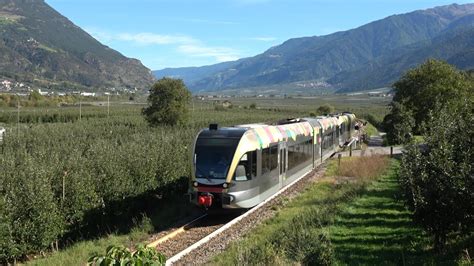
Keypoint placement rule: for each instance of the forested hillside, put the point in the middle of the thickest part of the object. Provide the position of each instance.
(371, 56)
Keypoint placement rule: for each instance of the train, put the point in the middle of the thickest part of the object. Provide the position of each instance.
(241, 166)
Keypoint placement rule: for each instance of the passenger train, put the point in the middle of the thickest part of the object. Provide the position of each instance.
(238, 167)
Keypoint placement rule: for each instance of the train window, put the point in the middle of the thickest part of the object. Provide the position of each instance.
(269, 159)
(299, 153)
(213, 157)
(247, 167)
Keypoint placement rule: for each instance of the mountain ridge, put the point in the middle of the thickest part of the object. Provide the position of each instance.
(40, 46)
(327, 58)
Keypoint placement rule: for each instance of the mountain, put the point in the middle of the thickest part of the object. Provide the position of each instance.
(192, 74)
(40, 46)
(455, 46)
(370, 56)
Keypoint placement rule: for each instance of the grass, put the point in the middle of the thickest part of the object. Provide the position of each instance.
(299, 232)
(376, 228)
(370, 130)
(349, 217)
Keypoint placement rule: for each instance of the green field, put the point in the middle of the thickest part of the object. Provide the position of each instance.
(102, 170)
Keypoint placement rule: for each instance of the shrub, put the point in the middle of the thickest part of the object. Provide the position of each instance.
(325, 109)
(118, 255)
(438, 181)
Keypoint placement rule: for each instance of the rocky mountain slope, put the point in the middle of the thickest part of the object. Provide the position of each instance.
(40, 46)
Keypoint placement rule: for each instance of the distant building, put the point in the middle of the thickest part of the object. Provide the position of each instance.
(88, 94)
(2, 133)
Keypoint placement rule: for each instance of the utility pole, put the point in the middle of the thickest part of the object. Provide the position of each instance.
(80, 107)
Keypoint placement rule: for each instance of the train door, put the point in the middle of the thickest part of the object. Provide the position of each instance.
(282, 161)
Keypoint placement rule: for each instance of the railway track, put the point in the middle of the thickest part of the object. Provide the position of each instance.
(190, 233)
(197, 241)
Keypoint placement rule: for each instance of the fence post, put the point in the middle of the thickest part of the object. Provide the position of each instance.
(339, 159)
(350, 150)
(391, 151)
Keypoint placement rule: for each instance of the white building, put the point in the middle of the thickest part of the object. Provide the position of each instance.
(88, 94)
(2, 133)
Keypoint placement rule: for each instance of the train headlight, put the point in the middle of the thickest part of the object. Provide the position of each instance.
(195, 183)
(225, 185)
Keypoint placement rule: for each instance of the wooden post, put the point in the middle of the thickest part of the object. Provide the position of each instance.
(339, 159)
(80, 107)
(391, 151)
(350, 150)
(18, 118)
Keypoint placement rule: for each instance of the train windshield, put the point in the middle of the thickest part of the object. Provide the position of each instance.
(213, 157)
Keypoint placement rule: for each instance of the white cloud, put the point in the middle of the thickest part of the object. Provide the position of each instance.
(184, 44)
(146, 38)
(220, 54)
(264, 39)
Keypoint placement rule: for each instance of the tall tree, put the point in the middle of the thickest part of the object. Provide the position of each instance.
(168, 102)
(398, 124)
(433, 82)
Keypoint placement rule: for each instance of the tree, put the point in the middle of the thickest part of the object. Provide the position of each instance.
(421, 88)
(168, 102)
(35, 96)
(437, 181)
(399, 124)
(325, 109)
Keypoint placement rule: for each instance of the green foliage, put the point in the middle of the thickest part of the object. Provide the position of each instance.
(35, 96)
(434, 82)
(370, 130)
(399, 124)
(253, 106)
(110, 170)
(325, 109)
(168, 103)
(438, 181)
(118, 255)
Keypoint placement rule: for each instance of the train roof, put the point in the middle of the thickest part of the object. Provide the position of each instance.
(223, 132)
(259, 135)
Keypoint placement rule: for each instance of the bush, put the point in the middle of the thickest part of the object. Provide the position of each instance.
(325, 109)
(118, 255)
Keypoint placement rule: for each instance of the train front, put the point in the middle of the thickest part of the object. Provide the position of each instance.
(214, 150)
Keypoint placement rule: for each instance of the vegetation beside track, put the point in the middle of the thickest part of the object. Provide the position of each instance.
(80, 179)
(349, 216)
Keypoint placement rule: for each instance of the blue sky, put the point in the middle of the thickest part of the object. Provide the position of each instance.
(178, 33)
